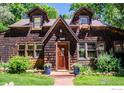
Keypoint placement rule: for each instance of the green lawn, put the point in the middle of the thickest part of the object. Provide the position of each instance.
(26, 79)
(99, 80)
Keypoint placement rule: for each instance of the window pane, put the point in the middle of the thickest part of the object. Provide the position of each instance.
(91, 46)
(82, 50)
(30, 47)
(30, 53)
(91, 49)
(101, 46)
(37, 22)
(91, 53)
(39, 47)
(38, 53)
(21, 53)
(22, 47)
(84, 19)
(117, 47)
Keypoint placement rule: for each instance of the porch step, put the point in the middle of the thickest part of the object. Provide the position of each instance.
(61, 74)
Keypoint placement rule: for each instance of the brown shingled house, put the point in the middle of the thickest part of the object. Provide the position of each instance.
(61, 42)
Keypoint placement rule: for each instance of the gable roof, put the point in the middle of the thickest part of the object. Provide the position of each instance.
(40, 11)
(81, 10)
(86, 9)
(55, 23)
(34, 9)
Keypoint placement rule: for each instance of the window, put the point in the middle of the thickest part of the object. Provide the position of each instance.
(37, 22)
(91, 49)
(101, 47)
(84, 20)
(118, 47)
(87, 50)
(123, 46)
(38, 50)
(21, 50)
(82, 50)
(32, 50)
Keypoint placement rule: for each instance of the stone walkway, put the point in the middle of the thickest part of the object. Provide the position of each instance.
(62, 78)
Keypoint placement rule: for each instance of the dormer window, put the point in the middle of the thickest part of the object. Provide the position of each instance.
(84, 19)
(37, 22)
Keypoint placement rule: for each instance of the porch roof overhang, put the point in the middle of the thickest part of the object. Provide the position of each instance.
(54, 25)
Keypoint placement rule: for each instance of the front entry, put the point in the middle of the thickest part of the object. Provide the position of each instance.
(62, 56)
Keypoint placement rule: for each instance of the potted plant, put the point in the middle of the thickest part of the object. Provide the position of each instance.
(47, 68)
(76, 68)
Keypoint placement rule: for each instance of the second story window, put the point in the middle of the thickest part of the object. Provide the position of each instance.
(36, 22)
(83, 19)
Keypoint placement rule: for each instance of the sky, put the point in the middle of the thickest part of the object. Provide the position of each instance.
(63, 8)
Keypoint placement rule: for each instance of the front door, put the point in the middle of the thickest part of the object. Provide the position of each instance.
(62, 53)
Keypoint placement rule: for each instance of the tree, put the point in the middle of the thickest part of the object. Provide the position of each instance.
(67, 16)
(6, 18)
(111, 14)
(20, 10)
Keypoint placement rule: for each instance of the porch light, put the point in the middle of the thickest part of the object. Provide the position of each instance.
(60, 31)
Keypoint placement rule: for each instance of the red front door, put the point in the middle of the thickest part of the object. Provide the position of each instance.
(62, 54)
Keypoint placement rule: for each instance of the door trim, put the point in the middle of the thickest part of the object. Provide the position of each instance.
(68, 42)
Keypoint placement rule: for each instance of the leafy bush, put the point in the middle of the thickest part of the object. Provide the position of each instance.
(107, 63)
(86, 70)
(4, 65)
(48, 65)
(18, 64)
(77, 65)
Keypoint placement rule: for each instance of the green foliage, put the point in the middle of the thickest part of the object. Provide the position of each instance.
(20, 9)
(4, 65)
(65, 16)
(86, 70)
(3, 27)
(111, 14)
(6, 17)
(77, 65)
(48, 65)
(107, 63)
(18, 64)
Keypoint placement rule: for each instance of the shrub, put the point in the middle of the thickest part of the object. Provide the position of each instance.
(107, 63)
(18, 64)
(48, 65)
(86, 70)
(77, 65)
(4, 65)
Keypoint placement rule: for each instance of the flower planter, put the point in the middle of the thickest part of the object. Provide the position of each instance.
(76, 71)
(47, 70)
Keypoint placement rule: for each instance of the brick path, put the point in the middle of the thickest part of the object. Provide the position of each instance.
(62, 78)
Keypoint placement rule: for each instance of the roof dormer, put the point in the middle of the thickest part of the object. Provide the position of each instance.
(82, 16)
(37, 17)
